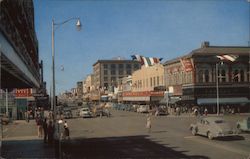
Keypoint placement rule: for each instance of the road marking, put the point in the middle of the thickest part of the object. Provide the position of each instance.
(217, 145)
(189, 137)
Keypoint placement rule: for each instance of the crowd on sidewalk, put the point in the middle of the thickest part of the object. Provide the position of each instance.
(51, 129)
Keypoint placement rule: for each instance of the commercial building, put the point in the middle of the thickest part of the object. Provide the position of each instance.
(108, 72)
(19, 45)
(210, 76)
(147, 86)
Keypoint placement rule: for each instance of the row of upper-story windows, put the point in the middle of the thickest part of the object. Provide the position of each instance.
(120, 66)
(178, 78)
(225, 73)
(149, 82)
(114, 72)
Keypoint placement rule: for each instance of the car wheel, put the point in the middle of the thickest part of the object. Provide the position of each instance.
(210, 136)
(194, 132)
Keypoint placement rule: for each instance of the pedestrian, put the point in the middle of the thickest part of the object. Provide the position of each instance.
(50, 132)
(205, 111)
(66, 130)
(45, 130)
(39, 126)
(148, 123)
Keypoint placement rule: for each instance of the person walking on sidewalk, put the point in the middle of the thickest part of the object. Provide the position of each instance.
(50, 132)
(66, 130)
(39, 126)
(45, 130)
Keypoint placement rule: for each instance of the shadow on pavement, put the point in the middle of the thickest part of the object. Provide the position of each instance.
(26, 149)
(136, 147)
(231, 138)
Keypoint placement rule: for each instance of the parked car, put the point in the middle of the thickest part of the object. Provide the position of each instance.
(103, 112)
(143, 109)
(67, 114)
(212, 127)
(85, 113)
(244, 125)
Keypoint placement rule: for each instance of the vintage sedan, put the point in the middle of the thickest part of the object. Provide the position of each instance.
(244, 125)
(212, 127)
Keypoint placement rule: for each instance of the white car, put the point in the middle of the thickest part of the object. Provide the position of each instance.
(143, 109)
(85, 113)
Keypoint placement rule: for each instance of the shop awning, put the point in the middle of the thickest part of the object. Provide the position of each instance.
(236, 100)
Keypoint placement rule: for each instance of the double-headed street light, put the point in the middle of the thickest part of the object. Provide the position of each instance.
(54, 27)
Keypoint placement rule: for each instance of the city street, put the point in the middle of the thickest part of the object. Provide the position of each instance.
(124, 136)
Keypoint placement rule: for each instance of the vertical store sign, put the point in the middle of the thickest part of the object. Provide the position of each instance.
(187, 64)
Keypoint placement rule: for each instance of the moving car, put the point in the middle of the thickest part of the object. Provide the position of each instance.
(85, 113)
(212, 127)
(244, 125)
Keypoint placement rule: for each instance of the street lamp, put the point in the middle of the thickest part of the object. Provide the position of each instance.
(54, 27)
(217, 87)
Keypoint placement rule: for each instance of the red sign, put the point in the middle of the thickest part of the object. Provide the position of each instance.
(24, 92)
(143, 94)
(187, 64)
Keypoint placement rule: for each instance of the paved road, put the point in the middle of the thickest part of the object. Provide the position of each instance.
(124, 136)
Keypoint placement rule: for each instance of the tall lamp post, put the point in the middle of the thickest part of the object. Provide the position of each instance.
(53, 100)
(54, 27)
(217, 90)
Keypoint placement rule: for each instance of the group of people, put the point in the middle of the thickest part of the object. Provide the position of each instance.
(46, 129)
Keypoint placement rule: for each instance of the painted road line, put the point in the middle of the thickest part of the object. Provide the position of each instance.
(217, 145)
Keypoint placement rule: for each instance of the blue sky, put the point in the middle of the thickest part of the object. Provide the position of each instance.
(163, 28)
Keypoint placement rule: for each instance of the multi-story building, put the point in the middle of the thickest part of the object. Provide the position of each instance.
(148, 85)
(19, 45)
(88, 87)
(79, 87)
(108, 72)
(213, 76)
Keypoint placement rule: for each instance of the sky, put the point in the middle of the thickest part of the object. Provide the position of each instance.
(153, 28)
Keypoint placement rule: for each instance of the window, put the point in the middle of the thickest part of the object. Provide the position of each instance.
(154, 81)
(151, 82)
(113, 72)
(105, 79)
(105, 66)
(223, 76)
(158, 81)
(120, 66)
(120, 72)
(128, 66)
(105, 72)
(206, 76)
(236, 76)
(128, 72)
(242, 75)
(113, 66)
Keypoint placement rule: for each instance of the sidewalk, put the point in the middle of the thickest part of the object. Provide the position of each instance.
(21, 141)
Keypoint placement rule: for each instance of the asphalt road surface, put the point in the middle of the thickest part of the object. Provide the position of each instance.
(124, 136)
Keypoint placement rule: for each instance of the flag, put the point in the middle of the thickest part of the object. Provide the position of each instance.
(146, 61)
(231, 58)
